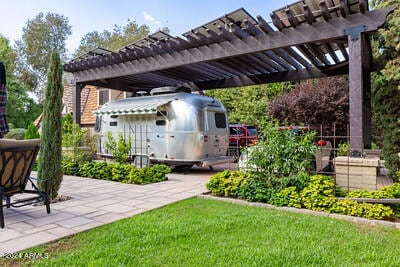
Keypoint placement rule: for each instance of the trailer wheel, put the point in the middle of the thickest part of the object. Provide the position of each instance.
(183, 168)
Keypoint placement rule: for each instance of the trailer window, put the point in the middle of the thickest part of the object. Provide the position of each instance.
(161, 113)
(161, 122)
(220, 120)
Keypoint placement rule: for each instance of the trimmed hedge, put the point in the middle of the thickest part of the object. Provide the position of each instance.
(117, 172)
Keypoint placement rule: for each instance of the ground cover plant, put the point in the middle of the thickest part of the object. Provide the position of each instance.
(117, 172)
(204, 232)
(316, 192)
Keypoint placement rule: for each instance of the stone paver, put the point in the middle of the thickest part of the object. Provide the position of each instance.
(93, 203)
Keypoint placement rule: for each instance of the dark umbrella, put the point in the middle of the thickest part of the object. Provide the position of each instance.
(3, 101)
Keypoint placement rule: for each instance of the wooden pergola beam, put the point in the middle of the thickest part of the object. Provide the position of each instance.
(302, 34)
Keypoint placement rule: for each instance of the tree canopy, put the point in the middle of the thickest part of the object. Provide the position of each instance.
(386, 85)
(247, 104)
(21, 108)
(315, 102)
(118, 38)
(41, 35)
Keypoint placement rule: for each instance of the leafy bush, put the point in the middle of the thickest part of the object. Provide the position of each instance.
(393, 189)
(120, 148)
(319, 194)
(91, 168)
(282, 154)
(287, 197)
(366, 210)
(370, 194)
(299, 181)
(116, 172)
(148, 175)
(343, 149)
(255, 189)
(226, 183)
(31, 132)
(70, 167)
(16, 133)
(119, 172)
(73, 135)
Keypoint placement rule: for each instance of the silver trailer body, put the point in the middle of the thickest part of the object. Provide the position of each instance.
(178, 129)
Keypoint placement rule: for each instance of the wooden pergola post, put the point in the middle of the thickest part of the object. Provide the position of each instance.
(76, 100)
(360, 88)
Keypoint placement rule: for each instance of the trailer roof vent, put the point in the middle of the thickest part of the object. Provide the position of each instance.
(142, 93)
(170, 90)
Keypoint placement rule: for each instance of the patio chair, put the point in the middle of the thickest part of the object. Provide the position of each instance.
(16, 160)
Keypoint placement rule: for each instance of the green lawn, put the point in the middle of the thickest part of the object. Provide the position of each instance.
(203, 232)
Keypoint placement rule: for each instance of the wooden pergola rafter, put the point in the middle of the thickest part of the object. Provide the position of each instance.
(308, 39)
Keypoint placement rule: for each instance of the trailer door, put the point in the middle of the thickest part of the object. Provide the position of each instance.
(217, 132)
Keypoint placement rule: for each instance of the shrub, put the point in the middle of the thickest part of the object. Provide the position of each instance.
(16, 133)
(117, 172)
(319, 194)
(282, 154)
(91, 169)
(255, 189)
(146, 175)
(120, 148)
(343, 149)
(73, 135)
(155, 173)
(370, 194)
(226, 183)
(366, 210)
(299, 181)
(31, 132)
(393, 189)
(70, 167)
(287, 197)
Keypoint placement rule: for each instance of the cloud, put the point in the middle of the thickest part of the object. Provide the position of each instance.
(151, 19)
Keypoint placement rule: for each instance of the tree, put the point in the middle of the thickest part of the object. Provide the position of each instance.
(21, 108)
(41, 35)
(247, 104)
(118, 38)
(50, 151)
(315, 102)
(385, 85)
(7, 56)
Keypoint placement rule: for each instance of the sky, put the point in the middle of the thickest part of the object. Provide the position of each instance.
(86, 16)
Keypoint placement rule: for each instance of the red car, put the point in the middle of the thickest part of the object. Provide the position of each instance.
(241, 135)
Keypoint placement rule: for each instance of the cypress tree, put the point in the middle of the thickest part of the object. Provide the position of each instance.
(50, 151)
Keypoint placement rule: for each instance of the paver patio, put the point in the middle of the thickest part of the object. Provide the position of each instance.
(93, 203)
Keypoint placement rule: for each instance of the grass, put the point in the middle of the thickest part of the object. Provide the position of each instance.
(204, 232)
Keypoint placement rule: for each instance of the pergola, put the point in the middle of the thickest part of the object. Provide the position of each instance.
(307, 39)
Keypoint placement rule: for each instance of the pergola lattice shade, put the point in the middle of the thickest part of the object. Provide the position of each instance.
(306, 39)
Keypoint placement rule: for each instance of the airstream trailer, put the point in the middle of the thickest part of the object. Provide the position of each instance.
(170, 126)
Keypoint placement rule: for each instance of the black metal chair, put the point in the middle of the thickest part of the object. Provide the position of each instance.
(16, 160)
